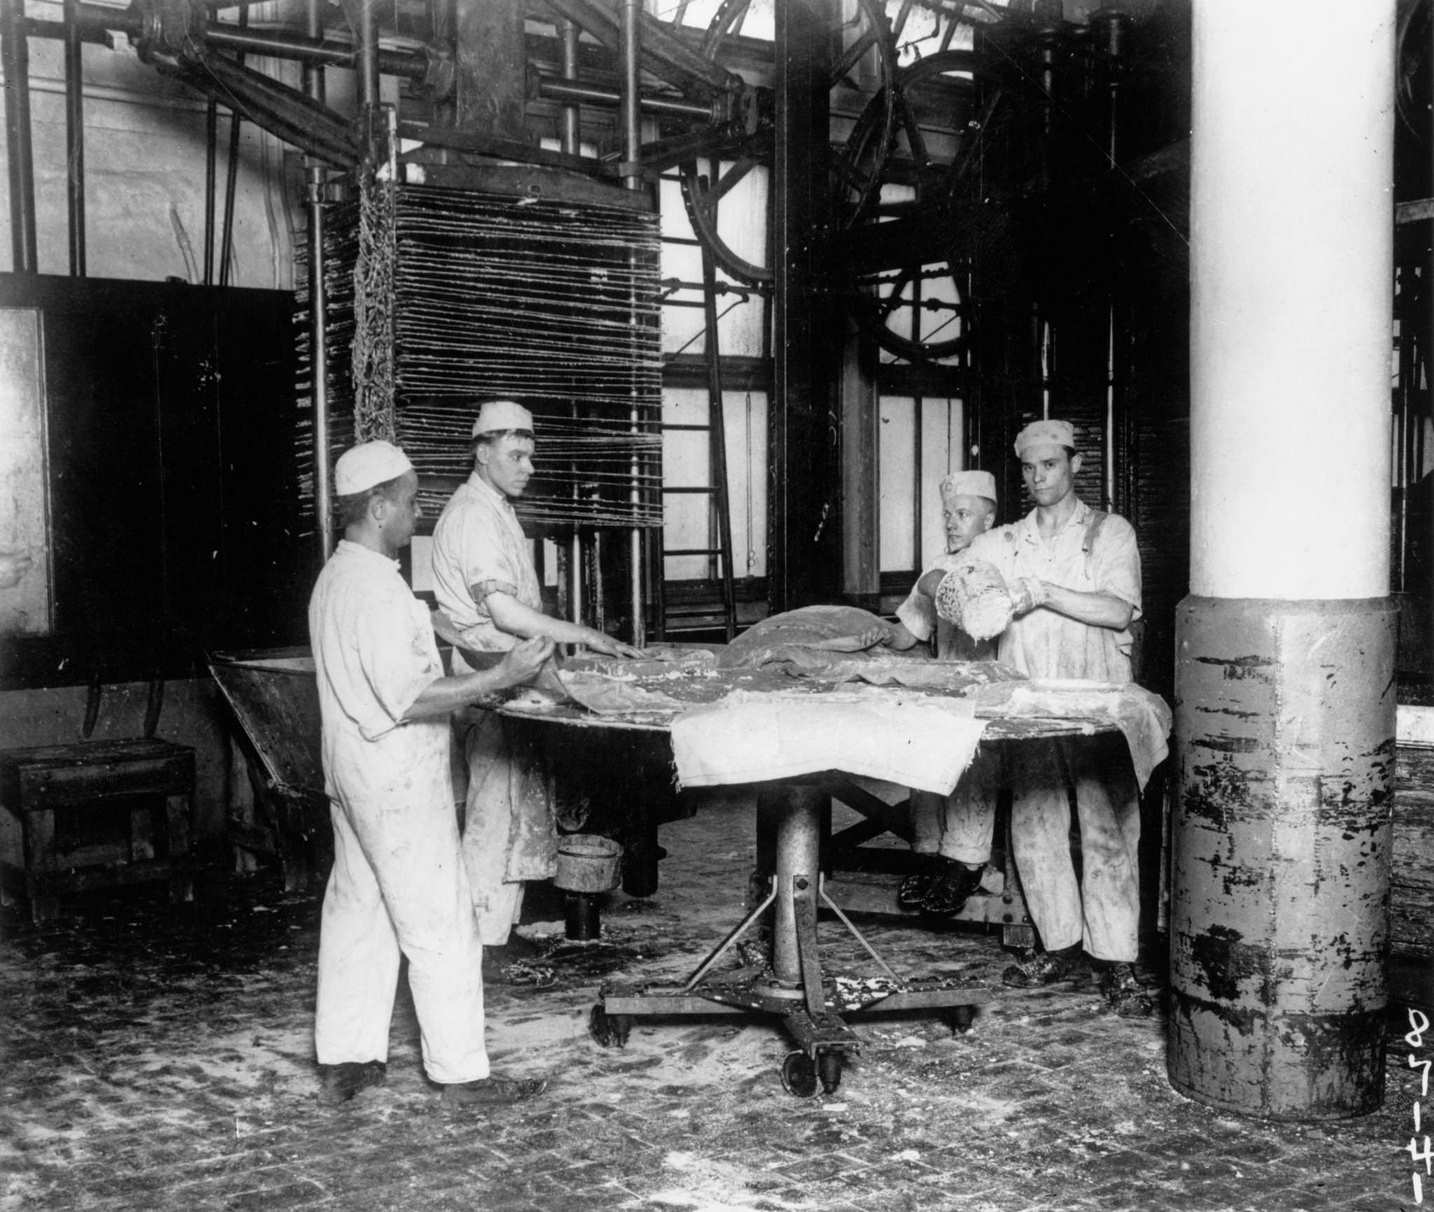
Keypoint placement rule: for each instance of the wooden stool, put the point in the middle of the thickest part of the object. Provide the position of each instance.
(39, 784)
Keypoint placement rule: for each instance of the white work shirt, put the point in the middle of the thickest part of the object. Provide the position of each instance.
(1043, 643)
(374, 654)
(479, 548)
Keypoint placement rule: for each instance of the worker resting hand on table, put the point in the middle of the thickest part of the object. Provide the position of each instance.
(952, 834)
(485, 581)
(1074, 573)
(398, 886)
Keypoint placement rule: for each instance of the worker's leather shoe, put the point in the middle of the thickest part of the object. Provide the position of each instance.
(950, 890)
(913, 889)
(1043, 968)
(339, 1083)
(1123, 991)
(493, 1091)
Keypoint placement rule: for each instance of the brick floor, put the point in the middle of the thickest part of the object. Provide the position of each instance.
(155, 1059)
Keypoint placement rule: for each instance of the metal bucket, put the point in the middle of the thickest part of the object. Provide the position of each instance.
(587, 862)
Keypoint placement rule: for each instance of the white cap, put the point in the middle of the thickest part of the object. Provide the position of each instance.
(498, 415)
(969, 484)
(1045, 433)
(367, 464)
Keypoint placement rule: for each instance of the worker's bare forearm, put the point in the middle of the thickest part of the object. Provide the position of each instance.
(444, 696)
(1095, 609)
(512, 616)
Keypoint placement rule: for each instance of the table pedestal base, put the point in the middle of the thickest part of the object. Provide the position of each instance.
(792, 984)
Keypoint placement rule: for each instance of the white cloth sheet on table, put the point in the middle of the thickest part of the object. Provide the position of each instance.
(915, 740)
(1143, 717)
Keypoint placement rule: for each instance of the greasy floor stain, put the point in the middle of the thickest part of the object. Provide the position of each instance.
(164, 1061)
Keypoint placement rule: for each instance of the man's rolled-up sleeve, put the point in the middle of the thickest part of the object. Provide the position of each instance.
(1116, 557)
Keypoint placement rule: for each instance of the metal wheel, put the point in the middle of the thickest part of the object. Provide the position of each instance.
(799, 1075)
(863, 59)
(609, 1030)
(829, 1068)
(960, 1019)
(908, 286)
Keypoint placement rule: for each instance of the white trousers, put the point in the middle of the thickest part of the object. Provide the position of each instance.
(960, 826)
(1103, 912)
(398, 887)
(488, 828)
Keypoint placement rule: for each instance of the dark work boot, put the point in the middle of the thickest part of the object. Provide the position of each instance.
(339, 1083)
(1043, 968)
(1123, 991)
(913, 889)
(949, 891)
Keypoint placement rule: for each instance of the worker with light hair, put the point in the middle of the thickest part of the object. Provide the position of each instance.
(951, 834)
(485, 581)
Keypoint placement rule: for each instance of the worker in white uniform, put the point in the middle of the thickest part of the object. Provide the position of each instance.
(398, 886)
(1075, 575)
(952, 833)
(485, 582)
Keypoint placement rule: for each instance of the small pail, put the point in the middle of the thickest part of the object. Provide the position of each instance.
(587, 863)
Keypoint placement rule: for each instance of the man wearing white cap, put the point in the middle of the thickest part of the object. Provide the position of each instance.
(485, 581)
(1076, 576)
(952, 834)
(398, 886)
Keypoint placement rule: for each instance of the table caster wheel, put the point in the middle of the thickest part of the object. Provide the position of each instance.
(829, 1067)
(799, 1075)
(609, 1030)
(960, 1019)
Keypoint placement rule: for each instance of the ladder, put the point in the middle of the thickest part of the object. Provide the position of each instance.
(696, 615)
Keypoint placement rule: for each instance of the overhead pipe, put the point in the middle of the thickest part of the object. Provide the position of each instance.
(75, 138)
(632, 153)
(313, 48)
(15, 55)
(313, 84)
(571, 94)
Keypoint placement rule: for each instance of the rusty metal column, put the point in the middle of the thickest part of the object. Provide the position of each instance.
(313, 77)
(1285, 648)
(19, 154)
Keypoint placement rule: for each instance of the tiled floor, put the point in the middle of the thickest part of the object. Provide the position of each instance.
(158, 1060)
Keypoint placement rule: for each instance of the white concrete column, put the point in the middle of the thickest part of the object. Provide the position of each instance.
(1291, 262)
(1284, 723)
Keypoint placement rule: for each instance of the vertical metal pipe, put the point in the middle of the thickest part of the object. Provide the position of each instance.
(211, 154)
(717, 435)
(75, 138)
(367, 58)
(313, 80)
(572, 144)
(1112, 28)
(231, 177)
(15, 53)
(632, 145)
(795, 813)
